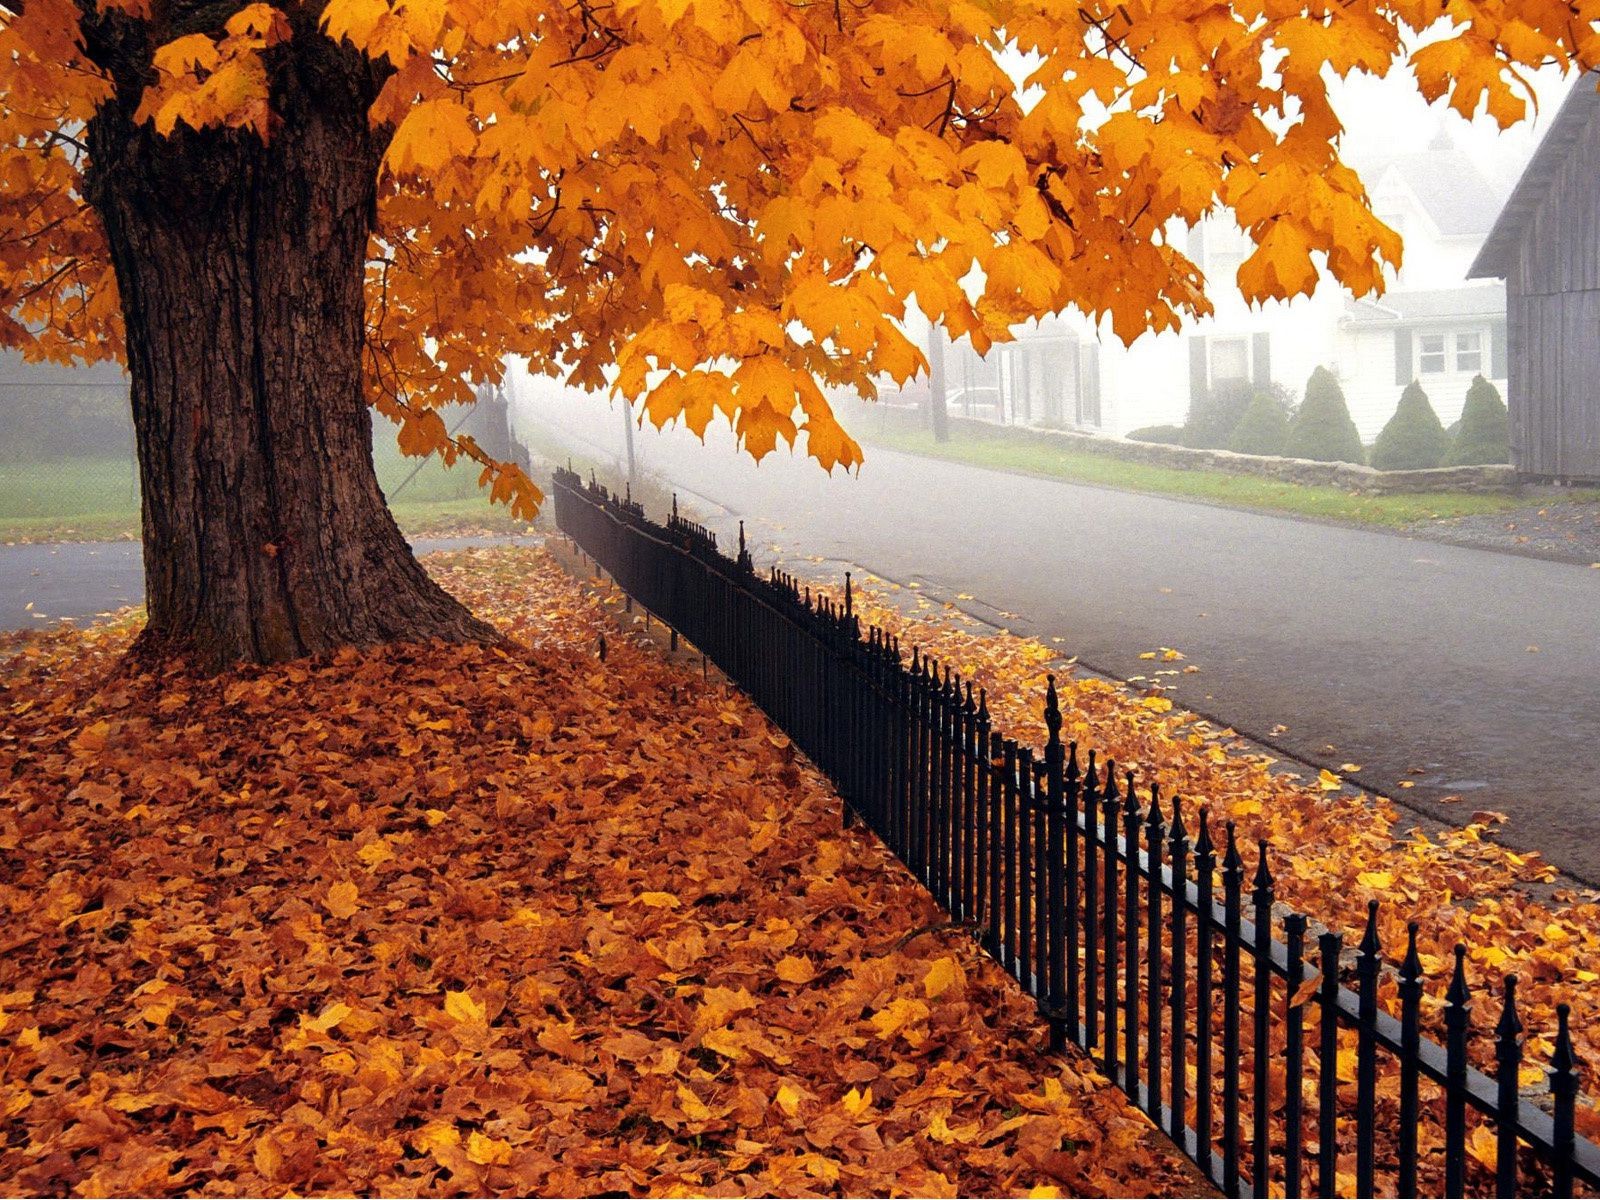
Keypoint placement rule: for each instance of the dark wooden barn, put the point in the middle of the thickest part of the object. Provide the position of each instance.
(1546, 246)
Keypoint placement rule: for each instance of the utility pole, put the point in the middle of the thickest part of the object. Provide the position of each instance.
(938, 412)
(627, 437)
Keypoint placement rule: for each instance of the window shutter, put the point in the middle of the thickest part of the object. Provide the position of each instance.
(1089, 383)
(1404, 368)
(1497, 350)
(1261, 360)
(1197, 369)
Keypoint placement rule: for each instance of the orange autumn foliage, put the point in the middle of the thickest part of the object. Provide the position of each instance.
(467, 920)
(720, 207)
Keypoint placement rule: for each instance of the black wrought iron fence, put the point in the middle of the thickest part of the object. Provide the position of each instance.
(1226, 1019)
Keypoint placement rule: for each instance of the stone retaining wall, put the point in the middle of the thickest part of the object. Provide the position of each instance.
(1345, 476)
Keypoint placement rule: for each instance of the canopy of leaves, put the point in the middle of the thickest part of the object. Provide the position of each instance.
(716, 207)
(1414, 438)
(1484, 432)
(1264, 428)
(1322, 429)
(542, 926)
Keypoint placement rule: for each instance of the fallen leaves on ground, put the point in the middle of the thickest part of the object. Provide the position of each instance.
(448, 920)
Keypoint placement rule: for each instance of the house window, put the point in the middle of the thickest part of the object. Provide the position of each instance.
(1430, 354)
(1469, 353)
(1230, 359)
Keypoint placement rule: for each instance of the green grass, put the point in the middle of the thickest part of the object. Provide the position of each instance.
(1018, 452)
(89, 499)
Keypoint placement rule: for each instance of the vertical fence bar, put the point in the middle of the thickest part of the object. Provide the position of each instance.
(1072, 981)
(1329, 946)
(1130, 935)
(1367, 966)
(1232, 883)
(1205, 869)
(996, 845)
(1011, 802)
(1564, 1090)
(1410, 1048)
(1261, 1075)
(1457, 1023)
(1294, 928)
(1027, 965)
(1154, 832)
(1177, 854)
(1091, 908)
(1508, 1062)
(1110, 806)
(1054, 1006)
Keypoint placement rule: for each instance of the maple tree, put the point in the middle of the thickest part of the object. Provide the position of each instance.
(278, 215)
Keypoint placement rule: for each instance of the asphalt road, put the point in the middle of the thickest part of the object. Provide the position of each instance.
(1480, 669)
(42, 584)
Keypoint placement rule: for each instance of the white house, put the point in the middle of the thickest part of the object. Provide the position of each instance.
(1431, 325)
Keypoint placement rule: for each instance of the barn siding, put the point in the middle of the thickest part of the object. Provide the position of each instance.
(1560, 247)
(1553, 323)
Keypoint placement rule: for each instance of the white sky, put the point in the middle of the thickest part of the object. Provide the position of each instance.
(1384, 117)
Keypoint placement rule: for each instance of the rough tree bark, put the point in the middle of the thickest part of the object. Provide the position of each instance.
(240, 266)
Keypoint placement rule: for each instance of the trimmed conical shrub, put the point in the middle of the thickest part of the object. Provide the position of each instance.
(1264, 428)
(1214, 414)
(1485, 433)
(1322, 429)
(1414, 439)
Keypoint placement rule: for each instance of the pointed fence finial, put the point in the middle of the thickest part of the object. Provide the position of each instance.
(983, 705)
(1111, 783)
(1203, 846)
(849, 597)
(1152, 816)
(1369, 937)
(1411, 965)
(1231, 862)
(1176, 832)
(1262, 883)
(1052, 710)
(1091, 779)
(1072, 763)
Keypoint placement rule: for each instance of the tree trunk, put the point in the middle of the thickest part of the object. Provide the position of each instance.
(240, 265)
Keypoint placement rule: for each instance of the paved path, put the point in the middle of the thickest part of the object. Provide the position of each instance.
(40, 584)
(1481, 670)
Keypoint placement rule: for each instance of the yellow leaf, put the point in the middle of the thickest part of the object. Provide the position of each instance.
(787, 1099)
(487, 1151)
(855, 1103)
(724, 1042)
(1328, 781)
(1377, 880)
(436, 1136)
(944, 974)
(691, 1105)
(657, 900)
(343, 900)
(791, 969)
(461, 1007)
(898, 1015)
